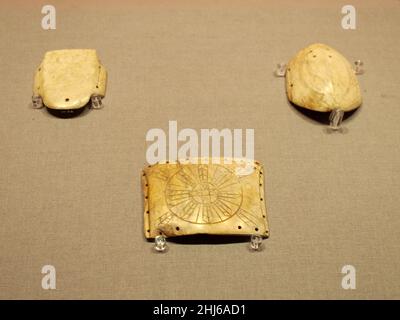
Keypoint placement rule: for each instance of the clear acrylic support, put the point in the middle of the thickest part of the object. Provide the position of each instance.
(280, 70)
(37, 102)
(358, 69)
(335, 119)
(96, 102)
(160, 243)
(255, 242)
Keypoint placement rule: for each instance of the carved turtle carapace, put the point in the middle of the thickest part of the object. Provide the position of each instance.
(319, 78)
(204, 197)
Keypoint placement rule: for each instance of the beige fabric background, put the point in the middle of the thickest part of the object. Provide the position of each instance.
(70, 189)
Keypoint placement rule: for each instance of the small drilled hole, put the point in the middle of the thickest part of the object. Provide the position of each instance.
(66, 99)
(97, 87)
(146, 197)
(291, 84)
(147, 185)
(177, 228)
(261, 199)
(263, 216)
(260, 184)
(256, 229)
(239, 227)
(147, 211)
(148, 230)
(144, 174)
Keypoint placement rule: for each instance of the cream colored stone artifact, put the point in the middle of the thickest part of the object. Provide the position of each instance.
(67, 80)
(193, 197)
(321, 79)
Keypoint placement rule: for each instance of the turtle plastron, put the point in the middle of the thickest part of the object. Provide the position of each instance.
(67, 80)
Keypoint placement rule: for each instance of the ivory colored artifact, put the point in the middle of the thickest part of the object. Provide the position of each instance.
(186, 198)
(321, 79)
(68, 79)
